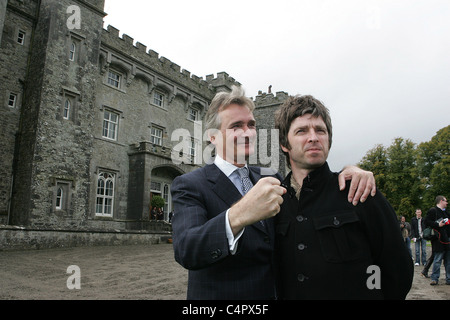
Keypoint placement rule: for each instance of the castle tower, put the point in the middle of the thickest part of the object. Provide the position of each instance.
(57, 114)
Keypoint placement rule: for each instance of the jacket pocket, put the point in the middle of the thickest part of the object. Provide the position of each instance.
(341, 236)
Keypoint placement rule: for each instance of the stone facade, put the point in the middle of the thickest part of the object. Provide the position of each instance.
(87, 119)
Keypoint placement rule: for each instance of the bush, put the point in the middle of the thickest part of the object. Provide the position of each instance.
(157, 201)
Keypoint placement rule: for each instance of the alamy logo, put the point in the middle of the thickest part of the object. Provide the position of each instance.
(260, 156)
(74, 280)
(74, 21)
(374, 280)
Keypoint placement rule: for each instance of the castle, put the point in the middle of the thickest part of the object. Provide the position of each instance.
(87, 119)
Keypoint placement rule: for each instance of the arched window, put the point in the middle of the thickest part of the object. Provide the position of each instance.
(59, 198)
(66, 112)
(72, 51)
(105, 195)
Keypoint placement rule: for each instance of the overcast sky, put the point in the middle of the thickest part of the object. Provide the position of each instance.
(381, 67)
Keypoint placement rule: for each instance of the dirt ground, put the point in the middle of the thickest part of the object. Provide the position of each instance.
(120, 273)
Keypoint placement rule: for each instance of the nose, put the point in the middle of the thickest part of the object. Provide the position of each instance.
(312, 136)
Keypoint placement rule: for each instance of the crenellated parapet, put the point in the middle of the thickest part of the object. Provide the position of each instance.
(223, 82)
(269, 99)
(135, 60)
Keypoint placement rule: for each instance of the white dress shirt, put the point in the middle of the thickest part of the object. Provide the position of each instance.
(230, 171)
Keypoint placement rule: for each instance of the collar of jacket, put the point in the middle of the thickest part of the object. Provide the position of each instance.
(311, 182)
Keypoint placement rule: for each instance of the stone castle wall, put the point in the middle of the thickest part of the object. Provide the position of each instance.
(43, 149)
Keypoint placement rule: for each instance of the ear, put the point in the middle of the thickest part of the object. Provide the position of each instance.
(212, 135)
(285, 149)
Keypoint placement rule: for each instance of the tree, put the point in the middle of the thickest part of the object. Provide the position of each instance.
(411, 176)
(434, 165)
(376, 161)
(402, 183)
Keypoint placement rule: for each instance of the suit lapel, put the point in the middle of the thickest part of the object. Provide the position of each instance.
(222, 186)
(226, 190)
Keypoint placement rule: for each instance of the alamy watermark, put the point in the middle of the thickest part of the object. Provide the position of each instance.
(74, 280)
(74, 20)
(189, 144)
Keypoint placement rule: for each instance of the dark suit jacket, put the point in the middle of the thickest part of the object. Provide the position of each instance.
(201, 199)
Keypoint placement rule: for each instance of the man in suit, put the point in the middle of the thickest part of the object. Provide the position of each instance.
(222, 227)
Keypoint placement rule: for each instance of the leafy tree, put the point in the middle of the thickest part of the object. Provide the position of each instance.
(411, 176)
(402, 183)
(434, 167)
(376, 161)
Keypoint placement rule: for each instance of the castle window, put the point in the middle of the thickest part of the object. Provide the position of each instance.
(110, 125)
(193, 149)
(193, 114)
(105, 195)
(74, 46)
(156, 136)
(59, 198)
(66, 109)
(114, 79)
(12, 101)
(72, 51)
(158, 99)
(166, 193)
(21, 37)
(69, 104)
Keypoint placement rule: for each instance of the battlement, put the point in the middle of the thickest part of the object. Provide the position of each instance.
(222, 82)
(268, 99)
(139, 53)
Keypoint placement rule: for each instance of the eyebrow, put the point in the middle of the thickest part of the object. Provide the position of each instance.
(252, 122)
(318, 126)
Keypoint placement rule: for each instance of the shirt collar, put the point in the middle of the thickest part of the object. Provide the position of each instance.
(224, 166)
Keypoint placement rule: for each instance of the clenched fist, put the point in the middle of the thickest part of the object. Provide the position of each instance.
(263, 201)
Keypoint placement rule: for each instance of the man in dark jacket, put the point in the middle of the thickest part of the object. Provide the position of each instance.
(441, 248)
(327, 248)
(417, 227)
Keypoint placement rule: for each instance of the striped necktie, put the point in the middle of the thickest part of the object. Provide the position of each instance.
(246, 183)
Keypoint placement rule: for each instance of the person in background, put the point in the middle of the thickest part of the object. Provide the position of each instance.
(417, 227)
(440, 246)
(405, 229)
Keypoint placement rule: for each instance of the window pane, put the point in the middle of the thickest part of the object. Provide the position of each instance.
(21, 37)
(59, 198)
(99, 205)
(105, 194)
(158, 99)
(72, 52)
(66, 109)
(110, 121)
(114, 79)
(12, 100)
(109, 188)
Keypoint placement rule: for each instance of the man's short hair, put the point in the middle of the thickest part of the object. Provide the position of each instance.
(221, 101)
(439, 199)
(297, 106)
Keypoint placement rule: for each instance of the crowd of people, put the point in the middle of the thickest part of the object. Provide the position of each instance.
(438, 220)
